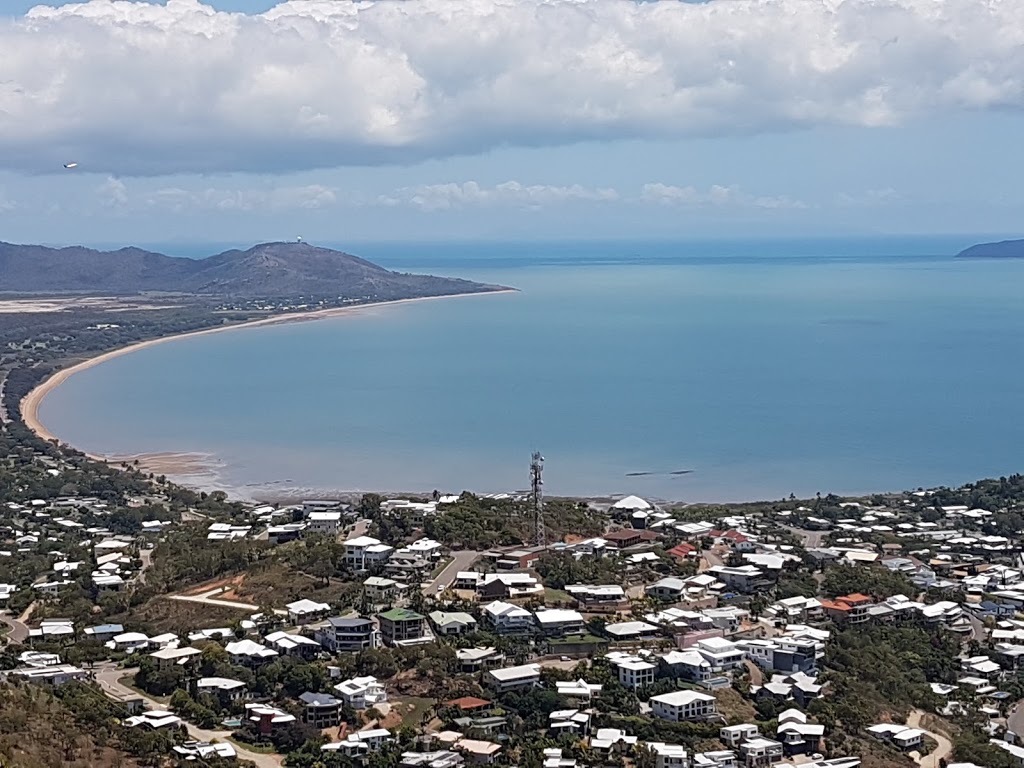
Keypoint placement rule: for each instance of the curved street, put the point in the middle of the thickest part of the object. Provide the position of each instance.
(108, 678)
(941, 752)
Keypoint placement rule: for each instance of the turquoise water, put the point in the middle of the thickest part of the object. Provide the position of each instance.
(765, 368)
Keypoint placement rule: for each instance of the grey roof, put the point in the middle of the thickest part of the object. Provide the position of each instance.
(319, 699)
(337, 621)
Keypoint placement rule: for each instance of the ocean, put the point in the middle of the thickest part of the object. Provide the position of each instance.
(723, 371)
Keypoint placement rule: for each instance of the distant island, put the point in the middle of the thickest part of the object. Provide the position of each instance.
(1004, 249)
(268, 270)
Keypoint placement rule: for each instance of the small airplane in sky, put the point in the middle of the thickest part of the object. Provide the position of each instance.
(69, 166)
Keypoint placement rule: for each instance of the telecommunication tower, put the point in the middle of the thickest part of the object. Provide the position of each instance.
(537, 498)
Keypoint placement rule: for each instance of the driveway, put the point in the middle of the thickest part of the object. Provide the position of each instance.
(942, 752)
(810, 539)
(107, 677)
(461, 561)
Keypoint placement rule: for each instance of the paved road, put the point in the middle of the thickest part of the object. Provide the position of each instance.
(461, 561)
(978, 630)
(944, 749)
(19, 631)
(810, 539)
(146, 556)
(1015, 720)
(107, 676)
(359, 528)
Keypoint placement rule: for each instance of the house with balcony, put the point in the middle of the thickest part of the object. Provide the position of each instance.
(684, 706)
(848, 609)
(508, 619)
(321, 710)
(686, 665)
(325, 523)
(477, 659)
(747, 579)
(668, 755)
(513, 678)
(402, 627)
(381, 590)
(723, 655)
(225, 689)
(558, 622)
(734, 735)
(760, 752)
(347, 634)
(365, 552)
(636, 673)
(361, 692)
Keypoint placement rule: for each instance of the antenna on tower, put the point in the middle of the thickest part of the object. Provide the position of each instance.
(537, 498)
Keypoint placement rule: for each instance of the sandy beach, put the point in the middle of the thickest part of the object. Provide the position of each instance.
(32, 402)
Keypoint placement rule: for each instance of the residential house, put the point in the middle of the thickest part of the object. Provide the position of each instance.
(570, 721)
(722, 654)
(734, 735)
(556, 622)
(513, 678)
(508, 619)
(249, 653)
(167, 658)
(365, 552)
(348, 634)
(594, 597)
(52, 674)
(401, 627)
(478, 752)
(267, 718)
(798, 736)
(304, 611)
(380, 590)
(686, 665)
(636, 673)
(290, 644)
(900, 736)
(761, 752)
(454, 623)
(668, 755)
(361, 692)
(849, 609)
(321, 710)
(326, 523)
(669, 588)
(680, 706)
(224, 689)
(625, 631)
(743, 578)
(508, 585)
(476, 659)
(103, 632)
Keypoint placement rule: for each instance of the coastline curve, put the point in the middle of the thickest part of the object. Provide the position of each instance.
(31, 403)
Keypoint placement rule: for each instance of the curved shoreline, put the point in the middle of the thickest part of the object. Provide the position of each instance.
(31, 403)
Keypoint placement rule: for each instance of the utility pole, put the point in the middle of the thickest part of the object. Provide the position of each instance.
(537, 498)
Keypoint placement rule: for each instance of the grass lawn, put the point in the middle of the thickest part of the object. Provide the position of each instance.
(441, 565)
(413, 709)
(260, 749)
(557, 596)
(577, 639)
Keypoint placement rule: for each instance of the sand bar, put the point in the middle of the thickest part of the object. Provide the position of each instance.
(31, 403)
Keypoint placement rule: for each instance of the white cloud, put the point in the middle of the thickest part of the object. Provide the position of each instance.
(131, 88)
(282, 198)
(869, 198)
(716, 195)
(442, 197)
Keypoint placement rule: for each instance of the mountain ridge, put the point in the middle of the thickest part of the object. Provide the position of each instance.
(266, 270)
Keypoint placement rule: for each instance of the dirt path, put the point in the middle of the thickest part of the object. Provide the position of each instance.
(756, 675)
(940, 753)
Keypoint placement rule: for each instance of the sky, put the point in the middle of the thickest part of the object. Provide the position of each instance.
(248, 120)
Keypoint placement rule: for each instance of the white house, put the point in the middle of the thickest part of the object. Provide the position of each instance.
(508, 619)
(680, 706)
(513, 678)
(363, 552)
(362, 692)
